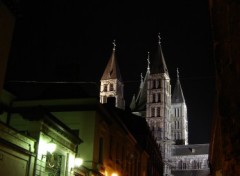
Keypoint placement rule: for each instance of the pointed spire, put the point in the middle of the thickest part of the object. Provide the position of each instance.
(159, 64)
(177, 74)
(148, 60)
(178, 96)
(159, 39)
(112, 70)
(114, 45)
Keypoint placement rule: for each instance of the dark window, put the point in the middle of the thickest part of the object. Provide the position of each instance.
(153, 84)
(105, 87)
(153, 112)
(111, 87)
(158, 111)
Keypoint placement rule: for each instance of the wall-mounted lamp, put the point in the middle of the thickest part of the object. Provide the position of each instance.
(78, 162)
(114, 174)
(50, 147)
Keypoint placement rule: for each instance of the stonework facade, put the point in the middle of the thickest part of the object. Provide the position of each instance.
(111, 83)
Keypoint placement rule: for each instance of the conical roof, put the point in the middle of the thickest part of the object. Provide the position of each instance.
(177, 96)
(141, 99)
(112, 70)
(159, 64)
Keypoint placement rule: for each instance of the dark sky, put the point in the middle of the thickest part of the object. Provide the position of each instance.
(70, 40)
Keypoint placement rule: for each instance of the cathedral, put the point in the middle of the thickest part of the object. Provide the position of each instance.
(165, 112)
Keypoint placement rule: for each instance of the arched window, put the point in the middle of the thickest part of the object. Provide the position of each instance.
(153, 112)
(158, 111)
(105, 87)
(179, 164)
(111, 87)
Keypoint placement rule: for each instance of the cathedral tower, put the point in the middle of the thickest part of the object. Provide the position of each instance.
(159, 104)
(111, 82)
(179, 115)
(138, 103)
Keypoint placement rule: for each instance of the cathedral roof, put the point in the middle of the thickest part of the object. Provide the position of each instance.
(159, 64)
(177, 96)
(112, 70)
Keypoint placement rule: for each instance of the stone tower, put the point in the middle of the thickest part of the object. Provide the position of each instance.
(111, 82)
(158, 106)
(179, 115)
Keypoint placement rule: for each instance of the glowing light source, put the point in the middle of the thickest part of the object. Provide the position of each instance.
(114, 174)
(51, 147)
(78, 162)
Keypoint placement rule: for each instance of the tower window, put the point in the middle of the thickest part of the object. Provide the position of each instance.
(105, 87)
(153, 84)
(111, 87)
(153, 112)
(158, 111)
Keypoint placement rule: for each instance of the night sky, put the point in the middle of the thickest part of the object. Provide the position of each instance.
(71, 41)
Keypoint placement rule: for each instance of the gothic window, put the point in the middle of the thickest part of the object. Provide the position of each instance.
(158, 111)
(179, 164)
(194, 164)
(158, 83)
(111, 87)
(153, 84)
(153, 98)
(184, 166)
(105, 87)
(153, 112)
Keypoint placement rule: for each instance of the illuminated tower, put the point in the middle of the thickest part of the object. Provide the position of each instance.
(111, 82)
(138, 103)
(179, 115)
(159, 105)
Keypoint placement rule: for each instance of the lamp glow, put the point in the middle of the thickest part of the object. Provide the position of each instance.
(51, 147)
(114, 174)
(78, 162)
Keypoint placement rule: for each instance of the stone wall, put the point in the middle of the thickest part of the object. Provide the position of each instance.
(225, 136)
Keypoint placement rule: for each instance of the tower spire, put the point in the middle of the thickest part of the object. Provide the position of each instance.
(148, 60)
(159, 64)
(159, 39)
(177, 74)
(178, 96)
(114, 45)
